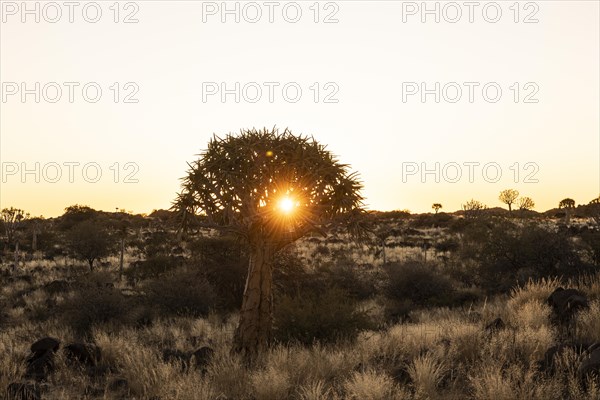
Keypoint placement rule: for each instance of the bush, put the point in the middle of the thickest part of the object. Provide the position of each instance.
(290, 276)
(356, 281)
(418, 283)
(508, 254)
(224, 263)
(92, 305)
(324, 316)
(182, 292)
(152, 267)
(441, 220)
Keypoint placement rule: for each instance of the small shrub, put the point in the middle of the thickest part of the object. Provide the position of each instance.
(369, 385)
(354, 280)
(224, 263)
(152, 267)
(290, 276)
(426, 374)
(183, 292)
(91, 306)
(270, 384)
(319, 316)
(418, 283)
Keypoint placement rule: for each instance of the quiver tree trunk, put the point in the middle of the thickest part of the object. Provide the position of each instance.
(121, 257)
(254, 331)
(16, 264)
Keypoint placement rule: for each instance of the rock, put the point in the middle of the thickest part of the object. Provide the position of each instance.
(202, 357)
(590, 364)
(495, 325)
(85, 354)
(118, 384)
(39, 365)
(400, 375)
(45, 344)
(173, 355)
(23, 391)
(566, 302)
(41, 361)
(548, 364)
(199, 358)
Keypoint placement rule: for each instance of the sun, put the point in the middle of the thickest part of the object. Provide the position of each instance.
(286, 205)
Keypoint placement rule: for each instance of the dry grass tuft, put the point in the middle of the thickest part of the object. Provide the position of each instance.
(369, 385)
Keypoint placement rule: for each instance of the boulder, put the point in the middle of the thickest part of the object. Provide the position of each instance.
(83, 354)
(495, 325)
(590, 364)
(45, 344)
(202, 357)
(566, 302)
(39, 365)
(548, 364)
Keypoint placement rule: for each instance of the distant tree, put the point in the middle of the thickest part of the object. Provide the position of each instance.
(568, 205)
(593, 210)
(269, 189)
(473, 208)
(35, 227)
(509, 253)
(508, 196)
(526, 203)
(12, 219)
(75, 214)
(121, 228)
(89, 241)
(382, 233)
(436, 207)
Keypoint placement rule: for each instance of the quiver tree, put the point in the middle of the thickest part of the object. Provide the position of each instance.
(270, 189)
(568, 205)
(473, 208)
(508, 197)
(525, 204)
(12, 220)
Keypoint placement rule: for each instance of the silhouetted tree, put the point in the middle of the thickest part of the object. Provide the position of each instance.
(239, 183)
(382, 234)
(526, 203)
(89, 241)
(122, 231)
(12, 218)
(508, 196)
(473, 208)
(593, 210)
(436, 207)
(75, 214)
(568, 205)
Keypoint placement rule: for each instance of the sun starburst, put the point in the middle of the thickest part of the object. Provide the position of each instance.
(286, 205)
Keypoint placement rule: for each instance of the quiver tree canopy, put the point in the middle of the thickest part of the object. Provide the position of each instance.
(240, 181)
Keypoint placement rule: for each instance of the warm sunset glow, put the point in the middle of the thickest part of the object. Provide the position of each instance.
(286, 205)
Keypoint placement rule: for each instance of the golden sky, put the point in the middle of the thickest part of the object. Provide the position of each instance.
(517, 94)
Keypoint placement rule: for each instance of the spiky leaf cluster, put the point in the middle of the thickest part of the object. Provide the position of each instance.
(238, 180)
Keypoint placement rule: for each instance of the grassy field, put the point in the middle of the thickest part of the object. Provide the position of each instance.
(435, 350)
